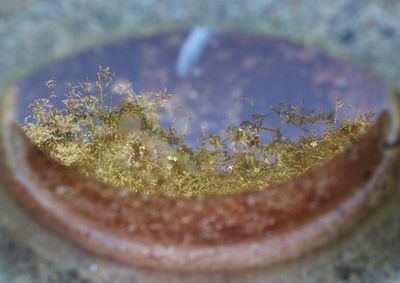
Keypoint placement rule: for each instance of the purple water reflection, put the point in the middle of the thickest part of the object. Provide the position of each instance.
(234, 70)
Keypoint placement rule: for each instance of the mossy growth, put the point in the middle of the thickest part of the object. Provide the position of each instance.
(108, 131)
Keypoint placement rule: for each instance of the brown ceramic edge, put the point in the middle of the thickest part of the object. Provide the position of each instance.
(285, 245)
(224, 258)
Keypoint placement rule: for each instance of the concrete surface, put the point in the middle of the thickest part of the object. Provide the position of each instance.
(34, 33)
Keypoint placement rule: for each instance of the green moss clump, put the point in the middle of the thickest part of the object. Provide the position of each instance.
(110, 132)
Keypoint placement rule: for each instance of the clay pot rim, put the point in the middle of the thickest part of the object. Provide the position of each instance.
(216, 233)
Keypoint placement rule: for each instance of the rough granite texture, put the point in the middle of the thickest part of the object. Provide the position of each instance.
(36, 32)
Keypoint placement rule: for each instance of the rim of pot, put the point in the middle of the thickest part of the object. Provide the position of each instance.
(207, 233)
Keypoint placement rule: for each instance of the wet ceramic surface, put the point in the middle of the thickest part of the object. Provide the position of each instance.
(203, 233)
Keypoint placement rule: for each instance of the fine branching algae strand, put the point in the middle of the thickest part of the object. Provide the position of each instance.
(108, 131)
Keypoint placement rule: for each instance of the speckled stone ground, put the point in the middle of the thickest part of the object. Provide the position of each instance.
(36, 32)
